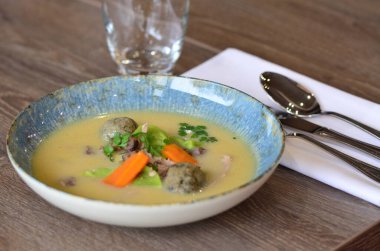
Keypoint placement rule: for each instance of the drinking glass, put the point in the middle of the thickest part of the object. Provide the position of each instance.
(145, 36)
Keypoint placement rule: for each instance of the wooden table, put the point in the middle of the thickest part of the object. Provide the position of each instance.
(45, 45)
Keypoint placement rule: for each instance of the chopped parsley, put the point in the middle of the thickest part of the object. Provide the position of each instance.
(195, 132)
(153, 140)
(119, 140)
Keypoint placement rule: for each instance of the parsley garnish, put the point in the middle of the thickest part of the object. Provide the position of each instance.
(154, 167)
(148, 143)
(195, 132)
(119, 140)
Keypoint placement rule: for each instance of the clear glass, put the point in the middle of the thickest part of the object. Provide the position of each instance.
(145, 36)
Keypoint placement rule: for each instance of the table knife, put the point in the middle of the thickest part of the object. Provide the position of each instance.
(307, 126)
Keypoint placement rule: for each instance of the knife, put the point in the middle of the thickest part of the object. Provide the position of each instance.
(307, 126)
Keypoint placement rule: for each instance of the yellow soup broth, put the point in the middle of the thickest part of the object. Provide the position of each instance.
(62, 154)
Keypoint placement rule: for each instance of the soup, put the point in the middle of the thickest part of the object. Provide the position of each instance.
(75, 158)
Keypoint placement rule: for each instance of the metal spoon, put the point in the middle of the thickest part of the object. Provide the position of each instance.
(372, 172)
(299, 101)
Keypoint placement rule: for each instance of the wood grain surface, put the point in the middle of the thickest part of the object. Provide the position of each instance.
(46, 45)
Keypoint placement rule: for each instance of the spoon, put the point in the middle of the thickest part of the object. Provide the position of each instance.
(297, 100)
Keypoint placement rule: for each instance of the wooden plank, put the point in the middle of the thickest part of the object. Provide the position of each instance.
(47, 45)
(368, 240)
(336, 42)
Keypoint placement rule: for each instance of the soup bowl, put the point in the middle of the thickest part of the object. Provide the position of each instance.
(222, 105)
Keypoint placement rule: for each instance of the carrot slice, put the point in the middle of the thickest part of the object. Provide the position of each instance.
(177, 154)
(128, 170)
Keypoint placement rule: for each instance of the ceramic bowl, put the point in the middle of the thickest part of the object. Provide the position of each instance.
(220, 104)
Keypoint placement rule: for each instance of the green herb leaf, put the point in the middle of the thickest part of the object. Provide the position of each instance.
(124, 139)
(154, 139)
(212, 139)
(167, 141)
(120, 140)
(144, 139)
(116, 139)
(200, 127)
(203, 139)
(155, 150)
(197, 132)
(194, 136)
(182, 133)
(155, 168)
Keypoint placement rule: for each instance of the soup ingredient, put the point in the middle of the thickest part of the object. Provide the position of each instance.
(120, 140)
(148, 177)
(177, 154)
(161, 165)
(184, 178)
(121, 143)
(153, 139)
(195, 132)
(227, 161)
(68, 182)
(128, 170)
(119, 125)
(108, 150)
(155, 143)
(191, 137)
(89, 150)
(188, 144)
(50, 164)
(198, 151)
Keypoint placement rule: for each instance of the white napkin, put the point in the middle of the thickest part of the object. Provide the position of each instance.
(242, 70)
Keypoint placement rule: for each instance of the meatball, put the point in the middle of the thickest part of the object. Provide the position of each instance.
(120, 125)
(184, 178)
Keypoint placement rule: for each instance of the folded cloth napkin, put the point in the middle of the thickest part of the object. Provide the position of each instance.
(241, 70)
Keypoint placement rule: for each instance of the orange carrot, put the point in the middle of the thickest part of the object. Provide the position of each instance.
(177, 154)
(128, 170)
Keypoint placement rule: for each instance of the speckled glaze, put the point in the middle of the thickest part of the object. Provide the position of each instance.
(222, 105)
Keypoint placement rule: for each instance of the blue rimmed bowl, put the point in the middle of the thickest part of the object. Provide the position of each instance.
(220, 104)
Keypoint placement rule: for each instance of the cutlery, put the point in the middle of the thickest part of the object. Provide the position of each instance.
(367, 169)
(299, 101)
(307, 126)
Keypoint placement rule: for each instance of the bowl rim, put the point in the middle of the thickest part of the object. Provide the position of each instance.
(17, 167)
